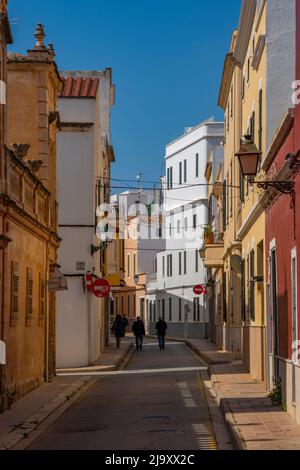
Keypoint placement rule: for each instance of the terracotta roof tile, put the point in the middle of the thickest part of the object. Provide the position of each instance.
(79, 87)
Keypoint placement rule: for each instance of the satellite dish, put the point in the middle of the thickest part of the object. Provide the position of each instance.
(236, 263)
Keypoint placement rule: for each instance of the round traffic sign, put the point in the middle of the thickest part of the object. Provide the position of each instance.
(101, 288)
(198, 290)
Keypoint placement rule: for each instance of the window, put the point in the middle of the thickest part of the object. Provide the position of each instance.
(260, 120)
(194, 221)
(243, 291)
(117, 306)
(14, 307)
(170, 230)
(242, 187)
(122, 303)
(186, 221)
(294, 300)
(224, 205)
(231, 188)
(227, 117)
(227, 198)
(197, 165)
(196, 261)
(184, 263)
(128, 265)
(231, 101)
(154, 311)
(170, 178)
(195, 309)
(243, 87)
(170, 309)
(42, 300)
(134, 264)
(150, 307)
(198, 309)
(163, 266)
(185, 171)
(164, 309)
(29, 296)
(158, 309)
(178, 226)
(180, 309)
(180, 264)
(180, 173)
(224, 285)
(252, 126)
(134, 305)
(252, 287)
(169, 266)
(248, 70)
(128, 305)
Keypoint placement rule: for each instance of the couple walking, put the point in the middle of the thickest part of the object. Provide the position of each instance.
(139, 333)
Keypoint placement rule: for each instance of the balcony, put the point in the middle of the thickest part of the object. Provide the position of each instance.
(213, 250)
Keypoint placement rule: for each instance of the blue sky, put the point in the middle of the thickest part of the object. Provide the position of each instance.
(167, 58)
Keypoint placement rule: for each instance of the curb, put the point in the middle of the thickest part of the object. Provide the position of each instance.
(62, 401)
(230, 423)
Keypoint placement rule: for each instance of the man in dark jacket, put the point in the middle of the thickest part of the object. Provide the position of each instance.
(161, 328)
(139, 332)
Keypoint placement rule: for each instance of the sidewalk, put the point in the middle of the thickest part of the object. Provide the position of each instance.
(37, 406)
(253, 423)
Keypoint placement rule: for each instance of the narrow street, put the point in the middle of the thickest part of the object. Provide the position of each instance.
(137, 409)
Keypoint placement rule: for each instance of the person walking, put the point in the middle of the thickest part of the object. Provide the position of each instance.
(118, 329)
(138, 329)
(161, 328)
(126, 323)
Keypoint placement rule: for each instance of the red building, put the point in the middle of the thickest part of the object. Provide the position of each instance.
(283, 252)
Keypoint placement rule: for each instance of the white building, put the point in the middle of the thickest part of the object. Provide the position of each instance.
(179, 267)
(84, 155)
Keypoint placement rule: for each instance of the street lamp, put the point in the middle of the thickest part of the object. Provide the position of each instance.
(248, 156)
(136, 279)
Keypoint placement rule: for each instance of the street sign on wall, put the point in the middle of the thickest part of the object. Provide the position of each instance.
(89, 282)
(101, 288)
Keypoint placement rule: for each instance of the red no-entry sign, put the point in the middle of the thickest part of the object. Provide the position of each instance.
(101, 288)
(199, 290)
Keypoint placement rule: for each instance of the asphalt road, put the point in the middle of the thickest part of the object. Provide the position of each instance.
(164, 409)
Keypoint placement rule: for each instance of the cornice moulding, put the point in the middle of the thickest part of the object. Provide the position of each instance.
(244, 29)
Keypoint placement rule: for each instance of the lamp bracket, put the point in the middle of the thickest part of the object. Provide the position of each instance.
(284, 187)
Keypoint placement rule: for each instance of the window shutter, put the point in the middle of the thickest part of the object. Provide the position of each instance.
(224, 297)
(29, 296)
(42, 309)
(14, 309)
(224, 205)
(243, 293)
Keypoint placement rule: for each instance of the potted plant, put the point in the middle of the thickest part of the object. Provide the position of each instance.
(208, 235)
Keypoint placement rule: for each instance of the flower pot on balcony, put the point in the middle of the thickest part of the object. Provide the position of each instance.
(209, 239)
